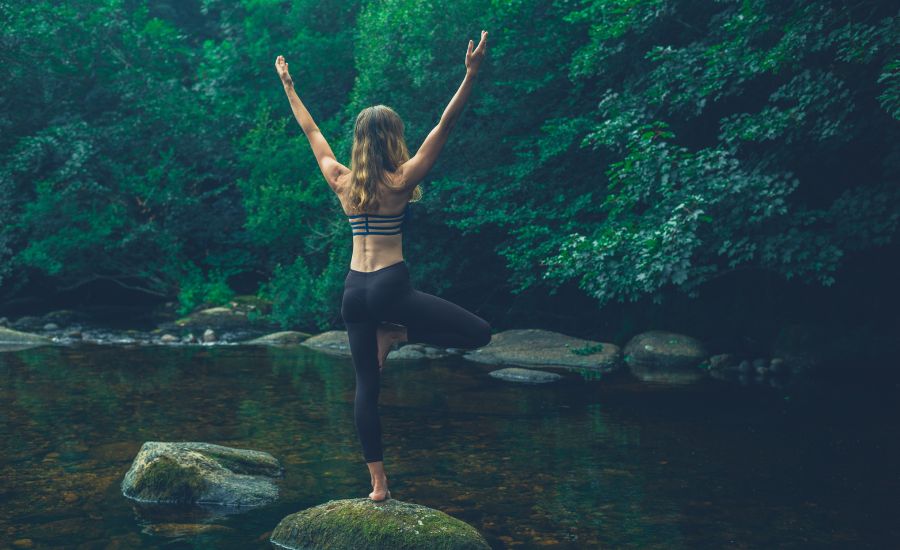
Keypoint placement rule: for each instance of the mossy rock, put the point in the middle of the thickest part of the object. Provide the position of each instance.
(201, 473)
(361, 524)
(544, 348)
(334, 342)
(231, 316)
(666, 357)
(215, 318)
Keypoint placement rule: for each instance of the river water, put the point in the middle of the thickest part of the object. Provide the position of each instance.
(609, 463)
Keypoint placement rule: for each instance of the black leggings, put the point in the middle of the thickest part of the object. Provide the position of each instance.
(386, 294)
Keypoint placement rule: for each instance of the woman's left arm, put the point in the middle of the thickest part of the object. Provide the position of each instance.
(329, 165)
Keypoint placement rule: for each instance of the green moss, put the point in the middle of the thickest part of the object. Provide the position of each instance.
(363, 524)
(587, 350)
(242, 464)
(166, 481)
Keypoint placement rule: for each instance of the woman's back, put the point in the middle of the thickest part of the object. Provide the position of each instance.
(392, 198)
(378, 234)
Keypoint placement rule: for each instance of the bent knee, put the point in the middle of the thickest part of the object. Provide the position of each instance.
(483, 336)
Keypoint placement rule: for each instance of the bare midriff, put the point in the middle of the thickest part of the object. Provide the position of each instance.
(372, 252)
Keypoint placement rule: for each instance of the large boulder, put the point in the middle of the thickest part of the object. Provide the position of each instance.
(287, 337)
(666, 357)
(361, 524)
(544, 348)
(14, 339)
(201, 473)
(332, 341)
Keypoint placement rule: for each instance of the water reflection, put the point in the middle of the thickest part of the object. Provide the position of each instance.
(572, 465)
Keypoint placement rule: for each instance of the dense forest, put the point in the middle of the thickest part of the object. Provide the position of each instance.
(726, 168)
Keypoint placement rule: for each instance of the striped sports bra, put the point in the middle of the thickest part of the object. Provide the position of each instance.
(378, 224)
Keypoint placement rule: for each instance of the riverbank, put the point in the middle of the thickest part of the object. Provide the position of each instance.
(530, 355)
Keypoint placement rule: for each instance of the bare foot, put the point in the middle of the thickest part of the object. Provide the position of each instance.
(381, 491)
(388, 334)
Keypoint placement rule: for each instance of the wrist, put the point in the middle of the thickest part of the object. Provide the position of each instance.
(471, 74)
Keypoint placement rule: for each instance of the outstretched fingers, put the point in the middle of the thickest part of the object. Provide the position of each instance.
(482, 44)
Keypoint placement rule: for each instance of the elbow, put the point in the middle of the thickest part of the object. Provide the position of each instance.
(446, 124)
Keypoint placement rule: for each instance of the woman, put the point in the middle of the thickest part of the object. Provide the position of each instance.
(380, 308)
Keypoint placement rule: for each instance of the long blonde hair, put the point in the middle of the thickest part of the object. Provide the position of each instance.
(378, 147)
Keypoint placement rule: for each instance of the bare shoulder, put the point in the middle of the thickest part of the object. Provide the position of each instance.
(400, 181)
(395, 179)
(341, 188)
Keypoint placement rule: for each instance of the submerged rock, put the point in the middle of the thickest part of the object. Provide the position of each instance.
(544, 348)
(666, 357)
(361, 524)
(286, 337)
(528, 376)
(184, 529)
(201, 473)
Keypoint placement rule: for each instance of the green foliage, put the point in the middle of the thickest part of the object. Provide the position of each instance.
(634, 147)
(199, 289)
(5, 251)
(676, 216)
(303, 297)
(116, 170)
(890, 98)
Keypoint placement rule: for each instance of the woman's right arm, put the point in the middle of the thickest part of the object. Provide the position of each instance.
(414, 170)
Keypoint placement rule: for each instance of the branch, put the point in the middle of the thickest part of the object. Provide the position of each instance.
(96, 277)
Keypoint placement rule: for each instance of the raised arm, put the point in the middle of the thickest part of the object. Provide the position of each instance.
(414, 170)
(329, 165)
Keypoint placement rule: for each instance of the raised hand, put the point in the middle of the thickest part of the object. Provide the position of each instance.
(282, 67)
(473, 58)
